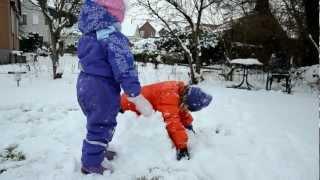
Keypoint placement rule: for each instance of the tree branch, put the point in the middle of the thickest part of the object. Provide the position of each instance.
(180, 9)
(210, 3)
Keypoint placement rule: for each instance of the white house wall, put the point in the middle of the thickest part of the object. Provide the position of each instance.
(35, 21)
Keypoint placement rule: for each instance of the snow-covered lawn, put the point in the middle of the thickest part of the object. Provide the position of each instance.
(242, 135)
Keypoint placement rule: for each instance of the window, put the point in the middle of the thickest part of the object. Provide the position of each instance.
(141, 33)
(35, 19)
(24, 19)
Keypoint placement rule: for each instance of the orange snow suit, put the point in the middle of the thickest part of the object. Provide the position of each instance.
(166, 97)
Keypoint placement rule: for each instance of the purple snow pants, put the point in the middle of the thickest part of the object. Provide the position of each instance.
(99, 99)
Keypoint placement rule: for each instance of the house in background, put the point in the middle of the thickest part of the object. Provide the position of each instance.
(10, 12)
(33, 21)
(146, 31)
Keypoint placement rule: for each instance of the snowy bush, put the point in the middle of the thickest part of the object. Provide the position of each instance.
(210, 50)
(145, 46)
(312, 74)
(307, 76)
(145, 50)
(171, 52)
(145, 57)
(30, 42)
(11, 153)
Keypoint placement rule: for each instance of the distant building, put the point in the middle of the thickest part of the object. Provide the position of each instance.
(33, 21)
(10, 12)
(146, 31)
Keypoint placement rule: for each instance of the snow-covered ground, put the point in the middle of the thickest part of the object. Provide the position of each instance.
(242, 135)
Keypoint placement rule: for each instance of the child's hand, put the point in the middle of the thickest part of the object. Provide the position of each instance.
(142, 105)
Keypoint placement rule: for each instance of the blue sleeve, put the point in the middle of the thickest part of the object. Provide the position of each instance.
(122, 63)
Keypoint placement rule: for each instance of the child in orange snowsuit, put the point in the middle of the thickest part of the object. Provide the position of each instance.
(174, 100)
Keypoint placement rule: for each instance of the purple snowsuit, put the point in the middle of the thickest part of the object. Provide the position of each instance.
(106, 64)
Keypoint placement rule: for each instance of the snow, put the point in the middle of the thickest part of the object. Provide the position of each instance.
(312, 74)
(128, 28)
(17, 52)
(249, 61)
(242, 135)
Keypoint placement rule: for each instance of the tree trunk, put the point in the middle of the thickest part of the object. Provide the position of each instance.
(54, 60)
(198, 61)
(194, 65)
(312, 18)
(54, 57)
(192, 74)
(312, 27)
(195, 54)
(189, 56)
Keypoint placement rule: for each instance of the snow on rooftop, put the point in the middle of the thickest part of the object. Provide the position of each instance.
(136, 17)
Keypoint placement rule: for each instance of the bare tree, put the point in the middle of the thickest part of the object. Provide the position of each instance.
(186, 14)
(59, 14)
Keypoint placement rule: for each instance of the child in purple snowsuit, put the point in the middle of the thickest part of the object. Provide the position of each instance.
(106, 64)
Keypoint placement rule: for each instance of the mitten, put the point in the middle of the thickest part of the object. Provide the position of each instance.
(142, 105)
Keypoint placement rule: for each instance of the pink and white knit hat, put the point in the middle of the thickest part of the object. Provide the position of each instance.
(116, 8)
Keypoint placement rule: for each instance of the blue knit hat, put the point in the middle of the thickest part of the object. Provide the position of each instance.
(196, 99)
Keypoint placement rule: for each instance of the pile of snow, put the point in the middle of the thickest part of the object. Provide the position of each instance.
(312, 74)
(243, 135)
